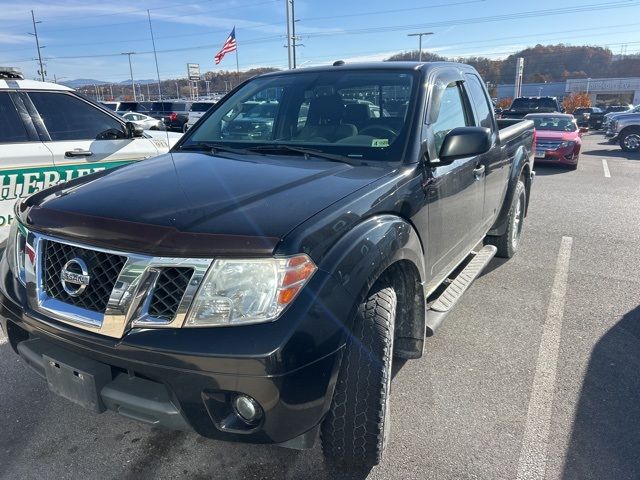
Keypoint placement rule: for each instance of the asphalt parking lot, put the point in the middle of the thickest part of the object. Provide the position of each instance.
(536, 374)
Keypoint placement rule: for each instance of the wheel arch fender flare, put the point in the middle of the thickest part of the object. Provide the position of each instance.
(521, 164)
(358, 258)
(385, 244)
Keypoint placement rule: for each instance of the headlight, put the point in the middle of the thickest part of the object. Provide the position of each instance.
(15, 251)
(566, 144)
(241, 291)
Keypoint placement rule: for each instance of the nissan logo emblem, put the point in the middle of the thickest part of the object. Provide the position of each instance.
(75, 277)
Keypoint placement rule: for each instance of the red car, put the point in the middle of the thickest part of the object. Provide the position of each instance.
(558, 139)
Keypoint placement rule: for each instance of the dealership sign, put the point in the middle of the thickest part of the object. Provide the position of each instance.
(193, 71)
(603, 85)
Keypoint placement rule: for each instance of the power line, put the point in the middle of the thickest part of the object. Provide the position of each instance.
(468, 21)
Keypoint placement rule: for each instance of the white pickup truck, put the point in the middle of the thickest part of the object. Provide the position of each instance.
(50, 134)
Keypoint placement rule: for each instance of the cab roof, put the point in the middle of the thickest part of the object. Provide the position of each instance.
(17, 84)
(380, 65)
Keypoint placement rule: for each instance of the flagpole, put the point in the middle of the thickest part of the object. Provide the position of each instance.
(237, 63)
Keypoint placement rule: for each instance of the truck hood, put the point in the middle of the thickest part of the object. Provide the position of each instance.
(192, 204)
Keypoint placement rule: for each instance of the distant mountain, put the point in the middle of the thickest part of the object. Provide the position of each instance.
(83, 82)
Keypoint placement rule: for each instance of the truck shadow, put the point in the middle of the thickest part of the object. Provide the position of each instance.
(605, 439)
(615, 152)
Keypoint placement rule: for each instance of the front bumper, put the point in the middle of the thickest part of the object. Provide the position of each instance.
(567, 156)
(188, 378)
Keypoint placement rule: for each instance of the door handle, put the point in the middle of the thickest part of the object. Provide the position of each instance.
(479, 171)
(78, 153)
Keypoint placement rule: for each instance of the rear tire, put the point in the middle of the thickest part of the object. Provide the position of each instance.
(507, 243)
(355, 430)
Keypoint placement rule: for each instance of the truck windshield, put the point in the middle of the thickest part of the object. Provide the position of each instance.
(533, 104)
(359, 114)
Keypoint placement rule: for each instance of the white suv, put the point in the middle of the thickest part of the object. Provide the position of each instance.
(50, 134)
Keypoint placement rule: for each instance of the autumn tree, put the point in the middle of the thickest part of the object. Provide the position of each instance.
(504, 103)
(576, 100)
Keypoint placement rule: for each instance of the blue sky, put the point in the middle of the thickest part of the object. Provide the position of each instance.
(96, 32)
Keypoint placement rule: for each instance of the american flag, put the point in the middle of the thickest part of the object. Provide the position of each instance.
(229, 46)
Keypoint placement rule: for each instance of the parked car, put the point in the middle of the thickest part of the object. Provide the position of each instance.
(50, 134)
(558, 139)
(589, 117)
(197, 110)
(253, 120)
(140, 107)
(174, 114)
(522, 106)
(111, 105)
(600, 117)
(625, 131)
(257, 289)
(145, 121)
(608, 117)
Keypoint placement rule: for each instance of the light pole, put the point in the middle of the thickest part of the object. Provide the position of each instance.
(133, 85)
(111, 91)
(177, 91)
(419, 35)
(207, 82)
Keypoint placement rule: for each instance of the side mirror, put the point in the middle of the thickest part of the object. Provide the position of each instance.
(464, 142)
(134, 131)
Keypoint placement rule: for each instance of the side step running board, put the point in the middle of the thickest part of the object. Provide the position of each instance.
(439, 309)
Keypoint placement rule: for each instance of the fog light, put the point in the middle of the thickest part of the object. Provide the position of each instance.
(247, 409)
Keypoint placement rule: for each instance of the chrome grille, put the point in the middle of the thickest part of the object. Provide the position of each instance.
(542, 144)
(169, 290)
(104, 269)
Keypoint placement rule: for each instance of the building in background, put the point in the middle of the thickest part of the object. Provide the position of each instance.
(602, 91)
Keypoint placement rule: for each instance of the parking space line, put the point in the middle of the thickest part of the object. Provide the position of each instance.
(533, 453)
(605, 165)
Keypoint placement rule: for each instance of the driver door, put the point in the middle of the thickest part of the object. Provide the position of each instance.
(74, 133)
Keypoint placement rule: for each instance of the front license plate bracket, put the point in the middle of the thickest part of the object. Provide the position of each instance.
(77, 379)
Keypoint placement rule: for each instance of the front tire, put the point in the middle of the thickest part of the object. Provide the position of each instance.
(507, 243)
(630, 140)
(355, 430)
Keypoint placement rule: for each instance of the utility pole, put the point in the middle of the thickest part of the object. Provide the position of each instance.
(518, 82)
(419, 35)
(111, 91)
(177, 91)
(35, 34)
(289, 49)
(148, 93)
(133, 85)
(207, 82)
(293, 33)
(96, 89)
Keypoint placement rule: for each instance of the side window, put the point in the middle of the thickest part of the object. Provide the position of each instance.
(479, 98)
(69, 118)
(11, 127)
(451, 114)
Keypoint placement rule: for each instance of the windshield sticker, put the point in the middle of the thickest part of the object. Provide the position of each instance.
(380, 142)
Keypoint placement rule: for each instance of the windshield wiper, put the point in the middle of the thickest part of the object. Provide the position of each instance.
(212, 148)
(307, 152)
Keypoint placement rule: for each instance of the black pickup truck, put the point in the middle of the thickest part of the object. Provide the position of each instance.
(523, 106)
(257, 289)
